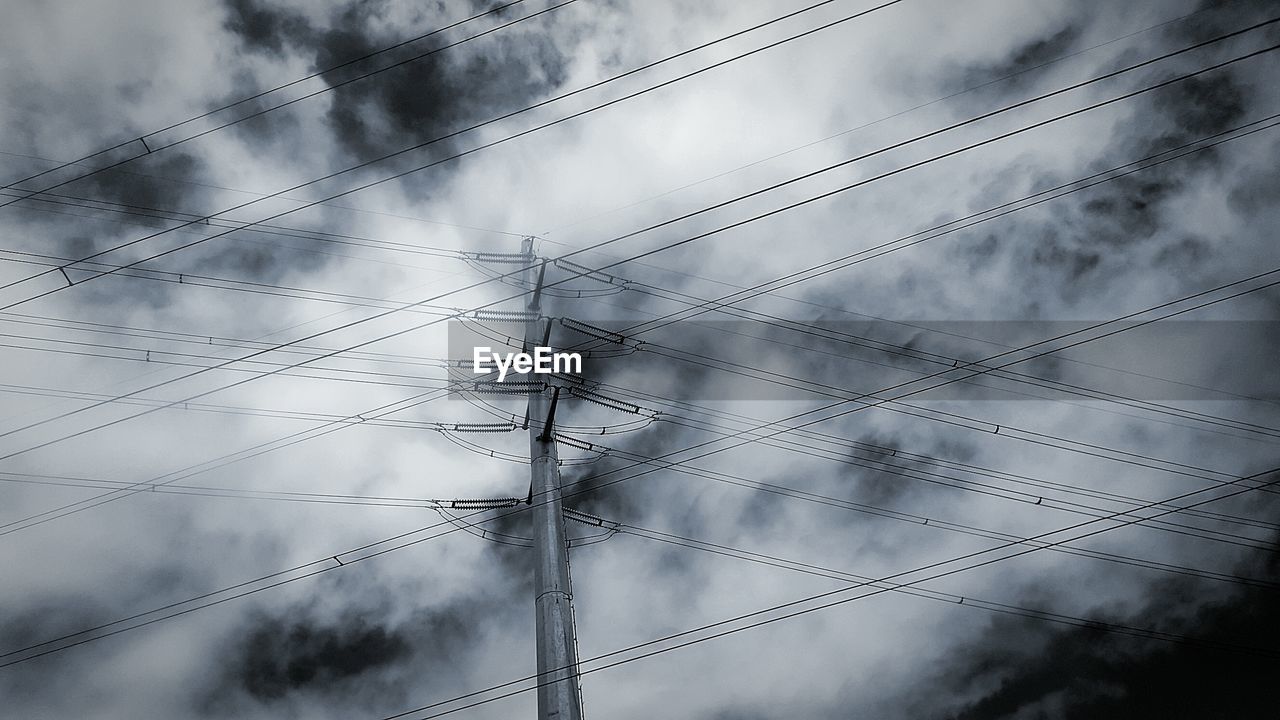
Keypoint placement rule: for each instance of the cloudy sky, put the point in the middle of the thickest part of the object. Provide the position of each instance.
(947, 386)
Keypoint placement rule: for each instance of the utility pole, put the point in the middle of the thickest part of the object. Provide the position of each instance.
(559, 697)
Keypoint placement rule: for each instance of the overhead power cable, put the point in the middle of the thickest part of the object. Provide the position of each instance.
(687, 240)
(969, 601)
(942, 524)
(138, 214)
(317, 567)
(863, 126)
(886, 458)
(768, 213)
(740, 623)
(433, 51)
(132, 140)
(376, 413)
(473, 127)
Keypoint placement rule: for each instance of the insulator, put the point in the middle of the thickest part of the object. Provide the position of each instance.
(523, 387)
(482, 504)
(495, 257)
(593, 331)
(582, 517)
(605, 401)
(575, 442)
(585, 271)
(483, 427)
(504, 315)
(562, 379)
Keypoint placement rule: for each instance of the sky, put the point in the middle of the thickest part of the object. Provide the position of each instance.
(944, 384)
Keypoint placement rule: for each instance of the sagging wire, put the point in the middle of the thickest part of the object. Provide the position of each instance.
(478, 261)
(607, 528)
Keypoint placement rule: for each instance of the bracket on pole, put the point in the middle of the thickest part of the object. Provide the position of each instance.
(549, 425)
(546, 333)
(535, 303)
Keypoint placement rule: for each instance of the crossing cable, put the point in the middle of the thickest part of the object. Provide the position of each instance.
(938, 595)
(1113, 516)
(803, 414)
(831, 266)
(1095, 79)
(1044, 196)
(982, 363)
(218, 409)
(652, 290)
(650, 345)
(138, 213)
(190, 279)
(218, 283)
(881, 455)
(985, 362)
(792, 609)
(640, 287)
(1260, 433)
(170, 358)
(977, 531)
(762, 215)
(881, 465)
(289, 440)
(324, 565)
(189, 338)
(150, 150)
(484, 123)
(718, 476)
(703, 235)
(934, 415)
(228, 106)
(863, 126)
(669, 82)
(43, 197)
(30, 194)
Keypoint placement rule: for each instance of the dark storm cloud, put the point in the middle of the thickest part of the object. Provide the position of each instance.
(1018, 667)
(1018, 61)
(1257, 190)
(361, 652)
(423, 100)
(264, 28)
(1092, 241)
(363, 648)
(280, 656)
(36, 618)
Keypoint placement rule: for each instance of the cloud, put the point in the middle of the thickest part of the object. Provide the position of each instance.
(452, 614)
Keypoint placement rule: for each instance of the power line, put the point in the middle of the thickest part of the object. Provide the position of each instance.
(768, 213)
(863, 126)
(228, 106)
(342, 563)
(828, 599)
(650, 252)
(937, 595)
(291, 102)
(43, 197)
(330, 237)
(224, 460)
(483, 124)
(969, 486)
(722, 307)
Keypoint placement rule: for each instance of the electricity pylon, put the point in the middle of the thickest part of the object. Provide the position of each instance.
(559, 695)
